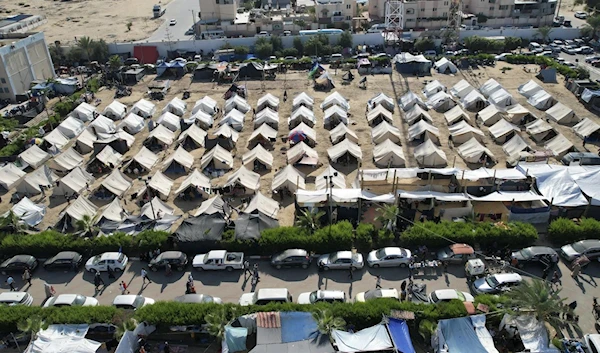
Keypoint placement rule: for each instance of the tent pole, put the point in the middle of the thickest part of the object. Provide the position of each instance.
(394, 183)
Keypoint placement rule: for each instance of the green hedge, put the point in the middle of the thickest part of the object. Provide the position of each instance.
(434, 234)
(564, 231)
(564, 70)
(10, 316)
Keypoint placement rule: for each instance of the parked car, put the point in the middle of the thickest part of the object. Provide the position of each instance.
(287, 33)
(176, 259)
(581, 15)
(496, 283)
(291, 258)
(18, 263)
(219, 260)
(569, 49)
(586, 50)
(172, 22)
(595, 63)
(263, 34)
(592, 58)
(445, 295)
(16, 298)
(115, 260)
(389, 257)
(327, 296)
(456, 253)
(70, 300)
(376, 294)
(131, 301)
(64, 260)
(590, 248)
(502, 57)
(592, 342)
(534, 254)
(341, 260)
(193, 298)
(265, 296)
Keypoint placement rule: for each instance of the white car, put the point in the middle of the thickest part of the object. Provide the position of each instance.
(580, 14)
(444, 295)
(341, 260)
(502, 57)
(327, 296)
(115, 260)
(131, 301)
(16, 298)
(389, 257)
(376, 294)
(70, 300)
(263, 34)
(592, 342)
(497, 283)
(172, 22)
(265, 296)
(193, 298)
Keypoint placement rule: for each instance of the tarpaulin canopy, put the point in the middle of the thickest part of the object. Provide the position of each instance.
(214, 205)
(561, 114)
(471, 100)
(302, 115)
(533, 333)
(515, 146)
(388, 154)
(268, 100)
(441, 196)
(301, 153)
(415, 114)
(170, 121)
(238, 103)
(335, 99)
(30, 213)
(379, 112)
(245, 178)
(181, 157)
(462, 132)
(445, 66)
(71, 127)
(385, 131)
(267, 116)
(199, 229)
(338, 179)
(381, 100)
(461, 89)
(458, 336)
(10, 175)
(206, 105)
(440, 101)
(132, 124)
(433, 87)
(31, 184)
(560, 188)
(538, 129)
(302, 99)
(144, 108)
(485, 173)
(85, 141)
(489, 115)
(193, 134)
(509, 196)
(117, 183)
(423, 131)
(262, 204)
(559, 145)
(227, 132)
(484, 336)
(198, 181)
(63, 339)
(145, 158)
(456, 114)
(428, 154)
(176, 106)
(74, 182)
(541, 100)
(515, 113)
(260, 154)
(234, 118)
(586, 128)
(161, 184)
(112, 213)
(264, 133)
(288, 178)
(342, 148)
(501, 98)
(156, 209)
(529, 88)
(115, 110)
(219, 157)
(371, 339)
(409, 100)
(250, 226)
(335, 113)
(472, 151)
(341, 132)
(84, 112)
(34, 156)
(162, 135)
(204, 119)
(490, 86)
(341, 196)
(400, 335)
(501, 129)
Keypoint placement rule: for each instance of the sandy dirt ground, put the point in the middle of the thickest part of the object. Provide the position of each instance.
(297, 82)
(97, 19)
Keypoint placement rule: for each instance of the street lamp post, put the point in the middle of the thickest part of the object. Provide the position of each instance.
(328, 187)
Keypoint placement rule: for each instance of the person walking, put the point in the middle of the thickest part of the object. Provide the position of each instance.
(247, 268)
(168, 270)
(351, 274)
(27, 276)
(122, 287)
(11, 283)
(49, 290)
(98, 281)
(378, 282)
(555, 279)
(575, 271)
(145, 277)
(190, 278)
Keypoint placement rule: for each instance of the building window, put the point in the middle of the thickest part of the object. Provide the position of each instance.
(217, 2)
(446, 3)
(348, 18)
(503, 7)
(434, 9)
(552, 6)
(348, 6)
(422, 10)
(444, 14)
(3, 80)
(410, 11)
(410, 20)
(492, 8)
(5, 89)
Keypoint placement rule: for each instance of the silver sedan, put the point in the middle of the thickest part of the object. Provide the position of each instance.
(341, 260)
(389, 257)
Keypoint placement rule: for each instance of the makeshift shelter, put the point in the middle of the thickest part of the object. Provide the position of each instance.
(28, 212)
(63, 338)
(541, 100)
(515, 146)
(441, 102)
(417, 114)
(10, 175)
(262, 204)
(463, 132)
(194, 186)
(445, 66)
(244, 178)
(267, 116)
(381, 100)
(433, 87)
(518, 114)
(304, 133)
(335, 99)
(385, 131)
(34, 181)
(234, 118)
(461, 89)
(587, 129)
(116, 183)
(388, 154)
(338, 179)
(227, 132)
(196, 233)
(474, 101)
(561, 114)
(334, 115)
(255, 69)
(160, 138)
(144, 108)
(533, 333)
(85, 142)
(173, 68)
(423, 131)
(529, 89)
(161, 185)
(379, 114)
(409, 100)
(501, 98)
(490, 86)
(503, 131)
(301, 153)
(547, 75)
(538, 129)
(115, 110)
(560, 187)
(206, 105)
(267, 101)
(459, 335)
(429, 155)
(33, 157)
(263, 134)
(108, 158)
(217, 158)
(132, 124)
(345, 148)
(57, 139)
(84, 112)
(203, 119)
(342, 132)
(472, 151)
(406, 63)
(324, 82)
(102, 124)
(144, 160)
(170, 121)
(455, 115)
(371, 339)
(156, 210)
(250, 226)
(73, 183)
(175, 106)
(192, 138)
(288, 178)
(71, 127)
(559, 145)
(302, 115)
(179, 161)
(238, 103)
(490, 115)
(400, 334)
(258, 157)
(302, 100)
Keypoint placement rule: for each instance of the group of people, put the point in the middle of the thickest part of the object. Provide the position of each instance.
(252, 271)
(10, 281)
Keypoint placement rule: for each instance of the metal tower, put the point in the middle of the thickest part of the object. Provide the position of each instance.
(454, 18)
(393, 15)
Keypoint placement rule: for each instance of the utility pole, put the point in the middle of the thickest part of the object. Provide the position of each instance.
(194, 23)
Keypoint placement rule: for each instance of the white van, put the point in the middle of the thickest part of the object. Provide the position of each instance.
(265, 296)
(378, 28)
(533, 46)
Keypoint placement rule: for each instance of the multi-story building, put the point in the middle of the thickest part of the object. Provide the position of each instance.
(212, 11)
(24, 58)
(335, 13)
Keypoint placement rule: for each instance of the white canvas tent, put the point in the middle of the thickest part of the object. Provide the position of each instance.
(515, 146)
(424, 131)
(56, 139)
(474, 152)
(10, 175)
(238, 103)
(31, 184)
(333, 114)
(409, 100)
(302, 115)
(559, 145)
(541, 100)
(260, 154)
(341, 132)
(463, 132)
(388, 154)
(263, 133)
(179, 158)
(198, 181)
(176, 106)
(85, 141)
(561, 114)
(489, 115)
(461, 89)
(262, 204)
(227, 132)
(245, 178)
(217, 158)
(433, 87)
(501, 130)
(338, 180)
(445, 66)
(441, 102)
(335, 99)
(301, 153)
(416, 114)
(156, 209)
(206, 105)
(473, 101)
(113, 212)
(212, 206)
(102, 124)
(370, 339)
(267, 101)
(71, 127)
(501, 98)
(78, 209)
(193, 134)
(162, 135)
(145, 158)
(73, 183)
(120, 135)
(115, 110)
(516, 113)
(455, 115)
(344, 147)
(234, 118)
(132, 124)
(302, 100)
(117, 183)
(490, 86)
(170, 121)
(267, 116)
(310, 133)
(161, 184)
(84, 112)
(34, 156)
(144, 108)
(385, 131)
(109, 157)
(538, 129)
(203, 119)
(378, 114)
(586, 128)
(28, 212)
(288, 178)
(429, 155)
(529, 88)
(381, 100)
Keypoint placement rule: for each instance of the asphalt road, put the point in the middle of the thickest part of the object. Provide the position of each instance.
(231, 285)
(594, 71)
(180, 10)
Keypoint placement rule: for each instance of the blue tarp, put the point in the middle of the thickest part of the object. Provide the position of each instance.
(400, 336)
(297, 326)
(459, 336)
(235, 337)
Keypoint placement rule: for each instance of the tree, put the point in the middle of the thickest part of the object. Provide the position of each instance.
(423, 44)
(86, 44)
(217, 320)
(124, 326)
(75, 55)
(388, 215)
(263, 50)
(544, 33)
(32, 326)
(585, 31)
(276, 43)
(299, 45)
(345, 40)
(13, 222)
(114, 62)
(240, 50)
(87, 225)
(310, 220)
(300, 23)
(326, 322)
(594, 23)
(100, 51)
(290, 52)
(512, 43)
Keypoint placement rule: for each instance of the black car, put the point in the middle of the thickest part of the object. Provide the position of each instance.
(18, 263)
(64, 260)
(291, 258)
(176, 259)
(535, 254)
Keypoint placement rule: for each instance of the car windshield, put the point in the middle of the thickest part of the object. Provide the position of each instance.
(461, 296)
(492, 281)
(380, 254)
(313, 297)
(333, 257)
(372, 294)
(434, 297)
(207, 299)
(138, 302)
(526, 253)
(96, 259)
(79, 300)
(579, 247)
(281, 256)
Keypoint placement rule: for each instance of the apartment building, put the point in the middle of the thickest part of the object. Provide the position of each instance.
(24, 58)
(334, 13)
(213, 11)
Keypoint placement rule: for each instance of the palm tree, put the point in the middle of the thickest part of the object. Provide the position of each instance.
(388, 215)
(127, 325)
(114, 62)
(217, 320)
(544, 33)
(86, 44)
(87, 225)
(13, 222)
(537, 298)
(310, 219)
(32, 326)
(326, 322)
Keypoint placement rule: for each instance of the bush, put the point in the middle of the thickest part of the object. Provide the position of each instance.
(542, 60)
(10, 316)
(564, 231)
(364, 237)
(423, 44)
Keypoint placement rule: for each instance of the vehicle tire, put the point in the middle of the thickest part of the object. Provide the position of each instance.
(325, 268)
(199, 268)
(304, 266)
(153, 269)
(402, 265)
(179, 268)
(117, 270)
(278, 267)
(93, 270)
(229, 268)
(376, 266)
